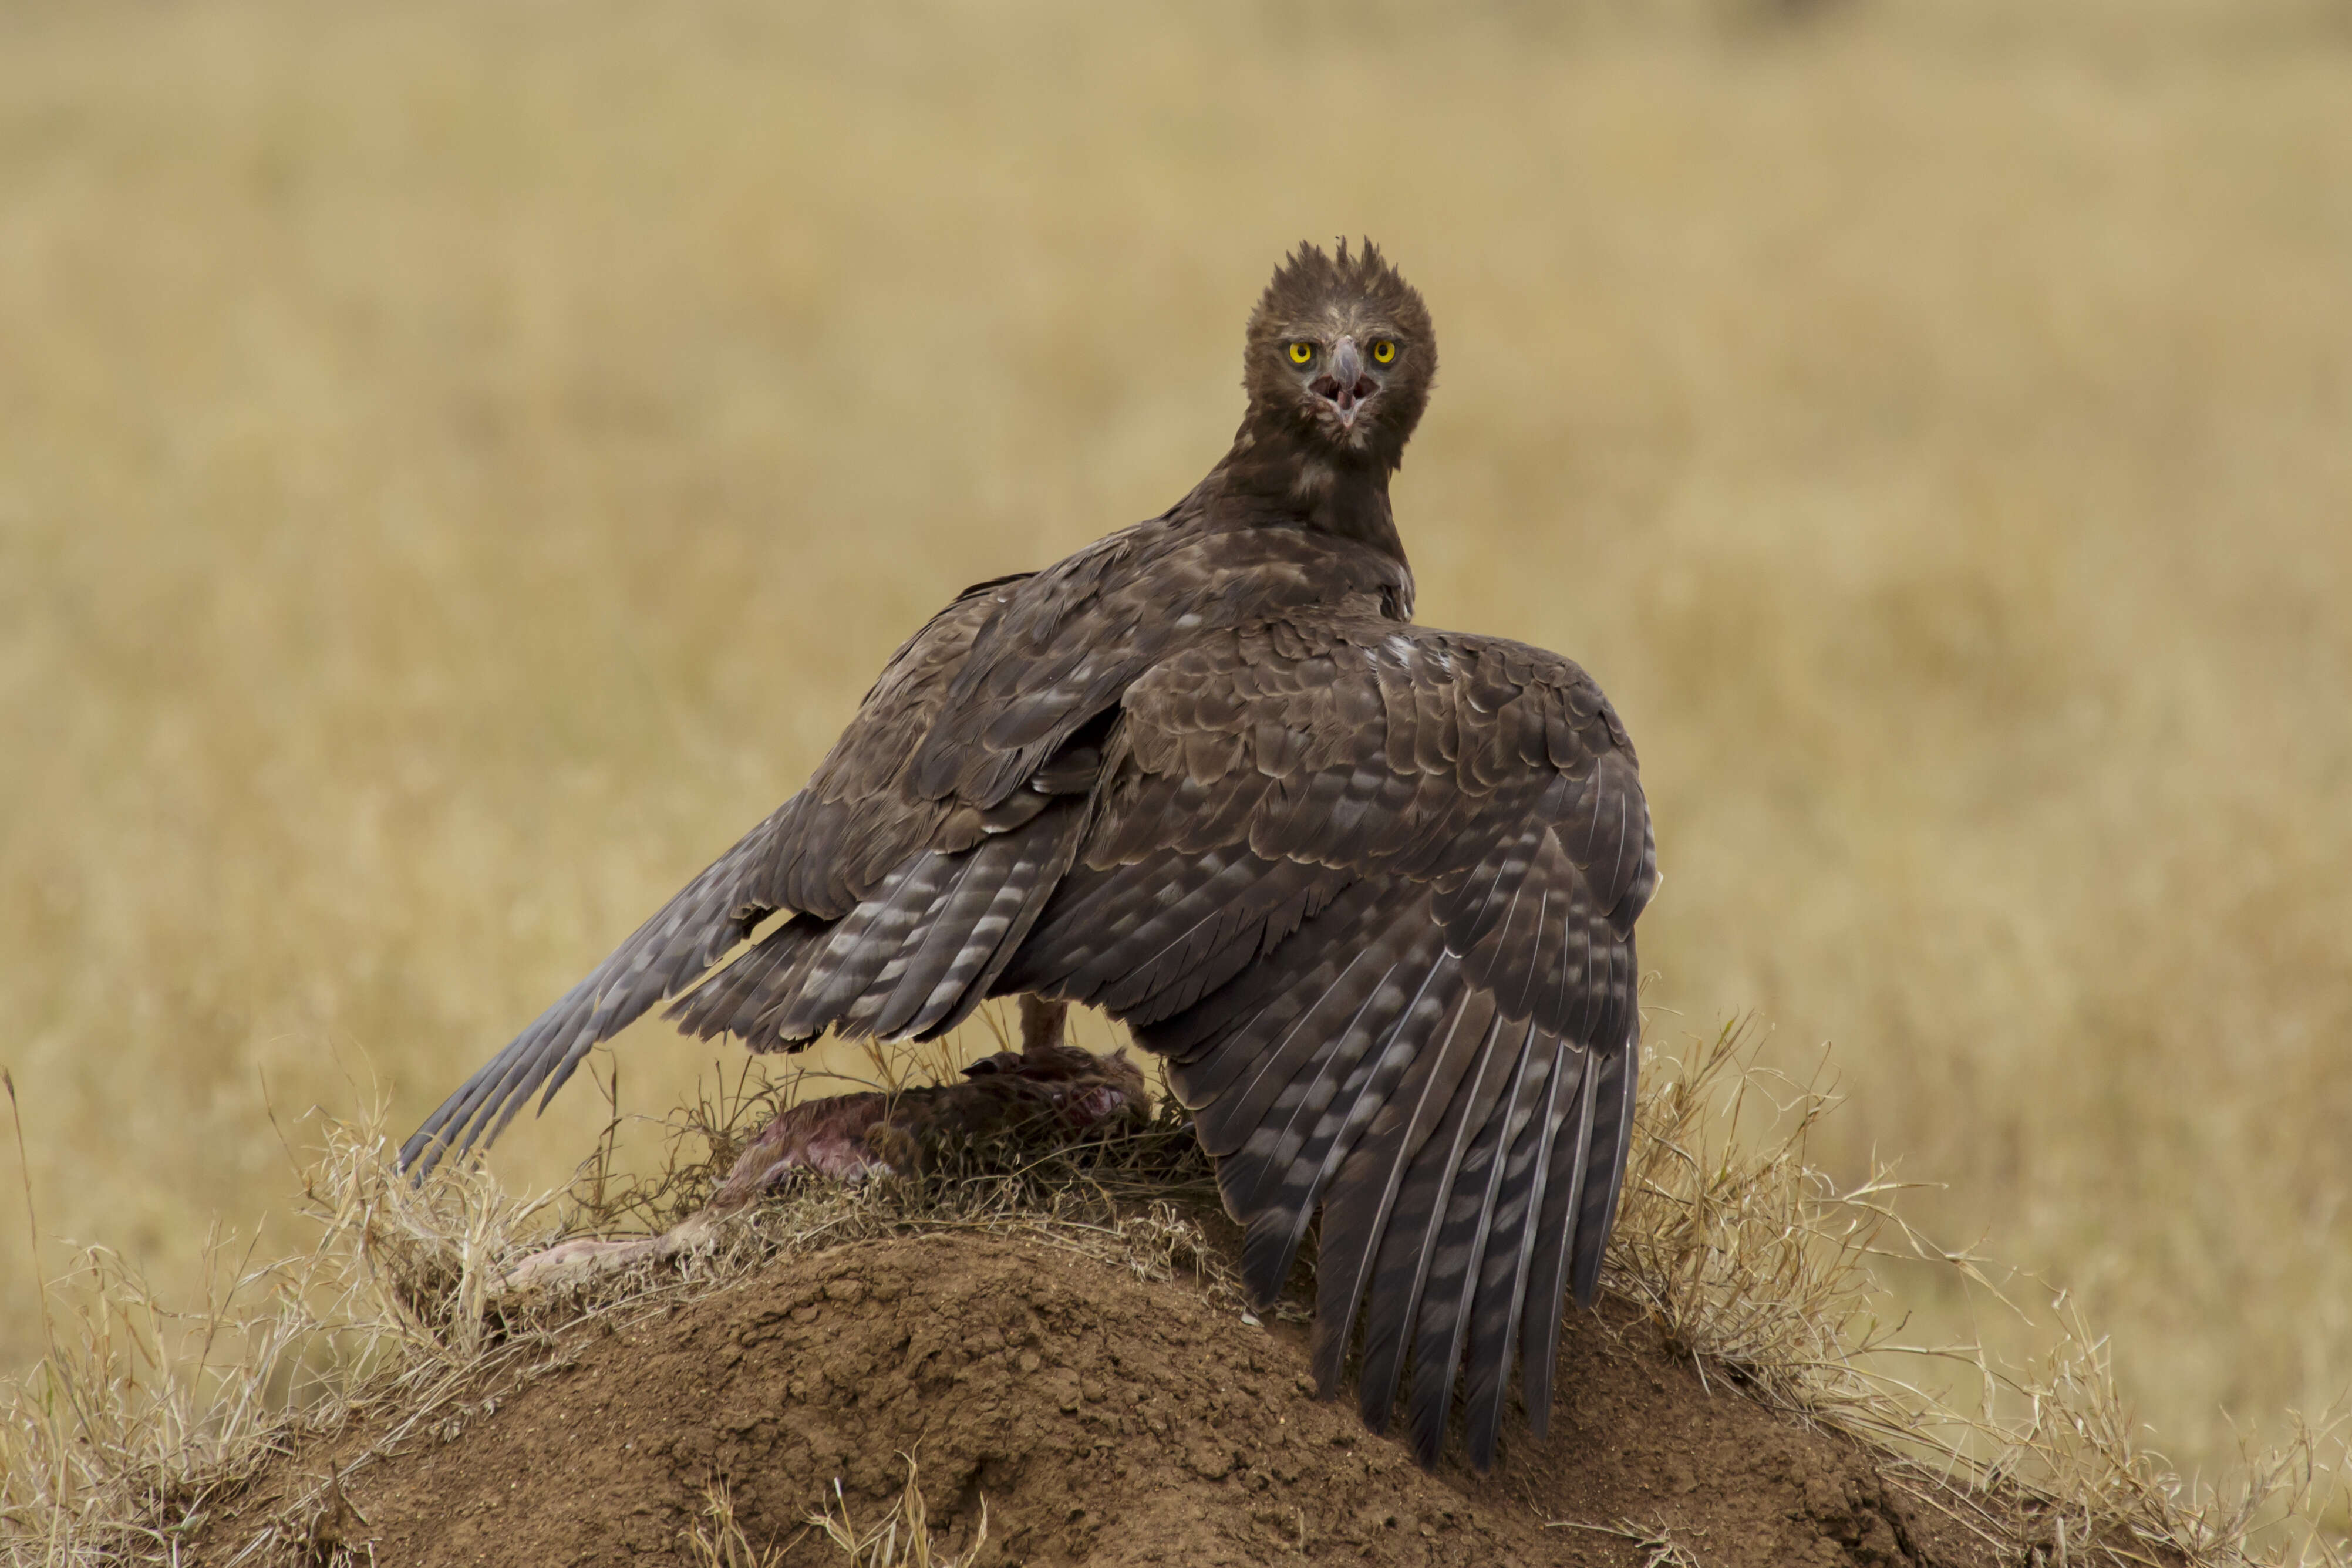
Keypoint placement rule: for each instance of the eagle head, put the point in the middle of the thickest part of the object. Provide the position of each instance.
(1341, 353)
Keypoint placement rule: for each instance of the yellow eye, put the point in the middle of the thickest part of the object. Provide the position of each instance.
(1301, 353)
(1383, 352)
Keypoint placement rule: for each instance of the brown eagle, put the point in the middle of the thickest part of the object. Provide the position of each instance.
(1369, 888)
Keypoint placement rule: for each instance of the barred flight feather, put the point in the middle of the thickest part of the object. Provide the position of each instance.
(1369, 888)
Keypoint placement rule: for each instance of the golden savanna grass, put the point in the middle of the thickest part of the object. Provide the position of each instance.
(460, 464)
(147, 1419)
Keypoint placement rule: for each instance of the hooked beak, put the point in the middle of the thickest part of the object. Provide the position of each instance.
(1344, 385)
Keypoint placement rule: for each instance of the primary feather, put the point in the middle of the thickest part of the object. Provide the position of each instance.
(1370, 888)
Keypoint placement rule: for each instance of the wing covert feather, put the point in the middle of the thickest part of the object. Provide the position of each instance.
(1436, 1048)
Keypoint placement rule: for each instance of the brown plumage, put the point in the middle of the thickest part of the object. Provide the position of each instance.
(1369, 887)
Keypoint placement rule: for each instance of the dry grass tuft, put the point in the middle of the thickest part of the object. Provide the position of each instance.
(724, 1543)
(1754, 1264)
(142, 1416)
(1746, 1258)
(454, 478)
(901, 1537)
(1656, 1544)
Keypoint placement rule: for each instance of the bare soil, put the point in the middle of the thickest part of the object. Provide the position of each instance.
(1103, 1419)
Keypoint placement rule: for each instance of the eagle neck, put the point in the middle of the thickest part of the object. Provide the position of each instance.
(1275, 479)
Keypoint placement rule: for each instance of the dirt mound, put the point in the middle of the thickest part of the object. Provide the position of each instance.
(1102, 1418)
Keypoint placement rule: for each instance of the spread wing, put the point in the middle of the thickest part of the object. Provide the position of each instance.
(819, 854)
(1372, 890)
(929, 839)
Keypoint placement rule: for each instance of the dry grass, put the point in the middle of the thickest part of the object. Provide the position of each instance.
(1658, 1547)
(721, 1542)
(901, 1538)
(459, 464)
(1757, 1266)
(142, 1418)
(144, 1412)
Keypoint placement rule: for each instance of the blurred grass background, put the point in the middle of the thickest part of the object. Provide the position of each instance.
(460, 464)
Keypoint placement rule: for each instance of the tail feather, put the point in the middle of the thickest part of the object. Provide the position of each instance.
(1365, 1194)
(1565, 1158)
(1408, 1252)
(1604, 1167)
(1501, 1297)
(1458, 1248)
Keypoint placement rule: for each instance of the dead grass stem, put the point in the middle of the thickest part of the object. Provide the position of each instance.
(1754, 1265)
(142, 1418)
(901, 1537)
(453, 480)
(720, 1540)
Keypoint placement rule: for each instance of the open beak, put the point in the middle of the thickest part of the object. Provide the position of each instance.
(1344, 385)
